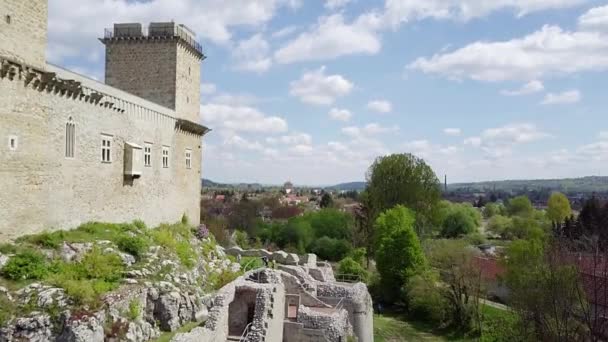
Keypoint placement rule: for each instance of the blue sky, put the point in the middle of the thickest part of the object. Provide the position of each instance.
(312, 91)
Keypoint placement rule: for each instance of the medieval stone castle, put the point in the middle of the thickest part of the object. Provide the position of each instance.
(74, 150)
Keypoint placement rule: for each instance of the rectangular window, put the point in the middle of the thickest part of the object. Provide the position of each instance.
(148, 154)
(70, 139)
(165, 157)
(188, 159)
(13, 142)
(106, 148)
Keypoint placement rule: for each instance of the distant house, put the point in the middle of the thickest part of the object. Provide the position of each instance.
(220, 198)
(288, 187)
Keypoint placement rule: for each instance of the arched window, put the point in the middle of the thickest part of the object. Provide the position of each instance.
(70, 138)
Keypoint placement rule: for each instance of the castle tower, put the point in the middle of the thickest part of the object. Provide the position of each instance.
(161, 63)
(23, 31)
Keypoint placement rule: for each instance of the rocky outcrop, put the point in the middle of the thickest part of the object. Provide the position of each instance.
(37, 327)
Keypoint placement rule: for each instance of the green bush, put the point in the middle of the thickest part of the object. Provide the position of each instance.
(134, 310)
(134, 245)
(216, 281)
(107, 267)
(241, 239)
(27, 264)
(331, 249)
(185, 253)
(349, 266)
(141, 225)
(425, 299)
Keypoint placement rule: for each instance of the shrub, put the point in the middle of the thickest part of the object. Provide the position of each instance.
(45, 239)
(425, 298)
(134, 245)
(107, 267)
(331, 249)
(134, 310)
(27, 264)
(8, 248)
(349, 266)
(216, 281)
(141, 225)
(185, 220)
(185, 253)
(241, 239)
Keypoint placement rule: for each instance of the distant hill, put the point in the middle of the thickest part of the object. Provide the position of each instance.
(356, 186)
(567, 185)
(207, 183)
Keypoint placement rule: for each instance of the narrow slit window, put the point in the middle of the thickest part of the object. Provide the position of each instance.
(106, 149)
(13, 143)
(188, 159)
(70, 139)
(165, 157)
(8, 19)
(148, 154)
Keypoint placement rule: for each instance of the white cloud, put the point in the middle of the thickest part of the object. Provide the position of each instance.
(291, 139)
(380, 106)
(335, 4)
(403, 11)
(242, 143)
(531, 87)
(314, 87)
(595, 18)
(368, 130)
(452, 131)
(330, 38)
(566, 97)
(241, 118)
(74, 33)
(499, 142)
(340, 114)
(252, 54)
(284, 32)
(549, 51)
(603, 135)
(208, 88)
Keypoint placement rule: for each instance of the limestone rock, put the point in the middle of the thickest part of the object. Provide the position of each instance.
(141, 331)
(75, 251)
(36, 328)
(3, 260)
(166, 311)
(83, 329)
(292, 259)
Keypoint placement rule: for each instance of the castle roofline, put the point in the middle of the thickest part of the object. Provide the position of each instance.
(155, 31)
(123, 99)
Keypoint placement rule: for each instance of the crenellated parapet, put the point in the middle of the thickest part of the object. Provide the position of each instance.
(49, 82)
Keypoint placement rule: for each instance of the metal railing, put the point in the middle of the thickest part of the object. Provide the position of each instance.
(245, 333)
(348, 278)
(168, 30)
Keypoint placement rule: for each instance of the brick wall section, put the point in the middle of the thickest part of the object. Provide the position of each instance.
(24, 39)
(42, 189)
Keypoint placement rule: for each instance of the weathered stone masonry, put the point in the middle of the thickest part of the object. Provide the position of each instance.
(43, 188)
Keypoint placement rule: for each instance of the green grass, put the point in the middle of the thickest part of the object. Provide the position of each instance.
(251, 263)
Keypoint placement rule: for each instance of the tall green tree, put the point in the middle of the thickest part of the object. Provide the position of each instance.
(519, 205)
(399, 255)
(406, 180)
(326, 201)
(558, 208)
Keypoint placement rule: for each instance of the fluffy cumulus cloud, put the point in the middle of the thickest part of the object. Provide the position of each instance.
(368, 130)
(595, 18)
(240, 118)
(252, 54)
(403, 11)
(380, 106)
(566, 97)
(329, 38)
(499, 142)
(315, 87)
(340, 114)
(335, 4)
(548, 51)
(531, 87)
(208, 88)
(291, 139)
(73, 33)
(452, 131)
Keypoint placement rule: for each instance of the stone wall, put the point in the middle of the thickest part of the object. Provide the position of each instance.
(42, 189)
(23, 31)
